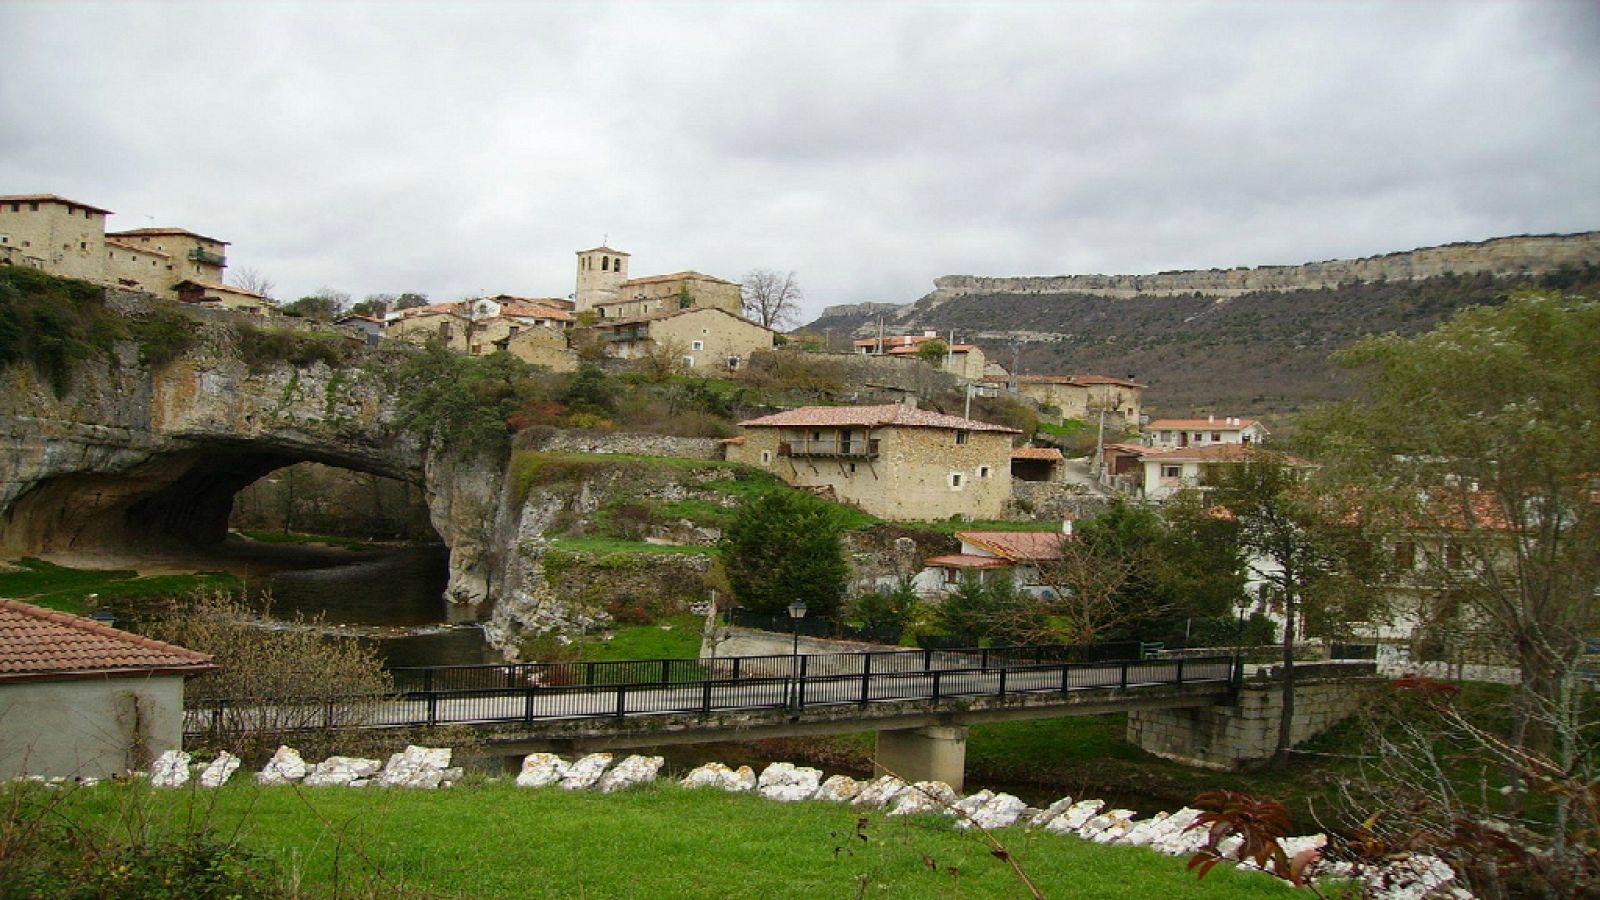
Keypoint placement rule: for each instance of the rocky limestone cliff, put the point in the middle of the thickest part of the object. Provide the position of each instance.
(137, 459)
(1522, 255)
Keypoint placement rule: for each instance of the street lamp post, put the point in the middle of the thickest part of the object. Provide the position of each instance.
(797, 611)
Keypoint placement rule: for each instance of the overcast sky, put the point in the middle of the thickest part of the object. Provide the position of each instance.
(467, 147)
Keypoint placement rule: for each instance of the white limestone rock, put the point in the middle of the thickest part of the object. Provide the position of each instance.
(971, 803)
(634, 770)
(342, 771)
(839, 789)
(999, 811)
(1174, 836)
(1072, 819)
(1145, 831)
(788, 783)
(1108, 827)
(583, 774)
(1047, 815)
(1412, 878)
(717, 775)
(170, 770)
(450, 776)
(284, 766)
(878, 792)
(220, 770)
(540, 769)
(924, 797)
(416, 767)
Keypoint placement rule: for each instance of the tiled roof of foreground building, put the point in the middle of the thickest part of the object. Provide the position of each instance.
(42, 643)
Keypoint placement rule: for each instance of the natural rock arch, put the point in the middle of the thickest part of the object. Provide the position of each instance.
(136, 459)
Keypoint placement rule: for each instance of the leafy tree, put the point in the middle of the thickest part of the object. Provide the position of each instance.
(410, 300)
(993, 608)
(1480, 441)
(771, 298)
(893, 607)
(465, 403)
(933, 352)
(591, 391)
(784, 546)
(1296, 544)
(325, 304)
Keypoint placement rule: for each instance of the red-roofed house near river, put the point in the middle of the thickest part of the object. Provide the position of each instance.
(83, 699)
(990, 554)
(893, 461)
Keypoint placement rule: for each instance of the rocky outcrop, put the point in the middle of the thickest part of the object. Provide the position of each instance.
(138, 458)
(1527, 254)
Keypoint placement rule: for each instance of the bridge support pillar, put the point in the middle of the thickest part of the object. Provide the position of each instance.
(931, 753)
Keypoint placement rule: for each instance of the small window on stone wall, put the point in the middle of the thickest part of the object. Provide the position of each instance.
(955, 481)
(961, 437)
(766, 457)
(983, 471)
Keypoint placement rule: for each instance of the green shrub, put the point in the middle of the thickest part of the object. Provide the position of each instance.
(263, 347)
(53, 323)
(784, 546)
(163, 335)
(895, 607)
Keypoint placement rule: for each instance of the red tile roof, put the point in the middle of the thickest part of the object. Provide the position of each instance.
(1017, 546)
(157, 232)
(966, 561)
(1220, 424)
(532, 309)
(222, 288)
(50, 198)
(907, 351)
(887, 415)
(603, 249)
(1049, 453)
(675, 276)
(42, 644)
(125, 245)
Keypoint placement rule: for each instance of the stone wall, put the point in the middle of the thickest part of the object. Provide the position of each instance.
(1503, 256)
(632, 443)
(1246, 732)
(1054, 500)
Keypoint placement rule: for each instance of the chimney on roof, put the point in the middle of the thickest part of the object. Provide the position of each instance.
(1211, 417)
(910, 400)
(1066, 527)
(929, 332)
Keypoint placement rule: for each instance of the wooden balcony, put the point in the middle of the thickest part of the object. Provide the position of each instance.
(830, 449)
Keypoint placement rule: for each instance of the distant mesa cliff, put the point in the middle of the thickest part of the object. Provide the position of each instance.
(1522, 255)
(1254, 339)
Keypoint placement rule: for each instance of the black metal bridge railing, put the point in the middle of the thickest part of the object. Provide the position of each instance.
(530, 693)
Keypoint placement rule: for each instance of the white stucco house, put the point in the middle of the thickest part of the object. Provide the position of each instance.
(82, 699)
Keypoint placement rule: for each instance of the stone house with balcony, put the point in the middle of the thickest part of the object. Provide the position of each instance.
(986, 555)
(893, 461)
(1167, 434)
(701, 338)
(69, 239)
(1082, 397)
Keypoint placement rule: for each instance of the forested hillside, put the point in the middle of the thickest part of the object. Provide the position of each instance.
(1261, 352)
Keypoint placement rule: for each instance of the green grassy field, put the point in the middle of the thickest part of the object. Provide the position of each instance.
(681, 641)
(496, 841)
(68, 590)
(608, 546)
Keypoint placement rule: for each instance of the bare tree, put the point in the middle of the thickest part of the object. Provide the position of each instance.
(254, 281)
(772, 298)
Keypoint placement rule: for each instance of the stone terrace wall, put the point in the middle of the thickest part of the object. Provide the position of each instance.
(632, 443)
(1236, 736)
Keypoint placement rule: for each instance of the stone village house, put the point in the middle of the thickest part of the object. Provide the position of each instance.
(69, 239)
(985, 555)
(965, 361)
(700, 337)
(1082, 397)
(604, 287)
(1166, 434)
(79, 698)
(893, 461)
